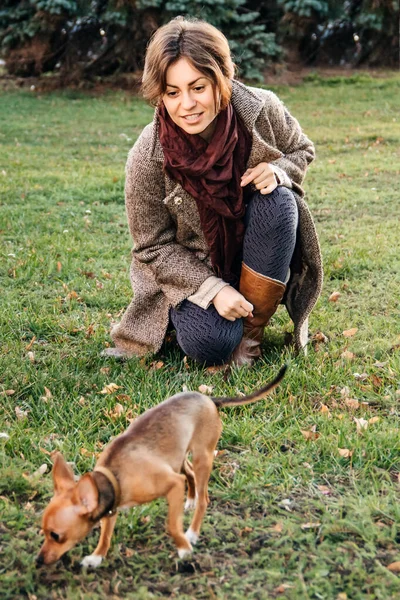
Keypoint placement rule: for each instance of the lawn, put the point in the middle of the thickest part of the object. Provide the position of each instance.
(304, 490)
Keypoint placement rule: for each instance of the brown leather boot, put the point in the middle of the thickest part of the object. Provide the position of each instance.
(265, 294)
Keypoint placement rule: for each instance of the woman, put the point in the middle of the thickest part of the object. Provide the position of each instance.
(214, 204)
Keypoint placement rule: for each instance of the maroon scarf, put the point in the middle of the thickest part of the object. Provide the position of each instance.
(211, 173)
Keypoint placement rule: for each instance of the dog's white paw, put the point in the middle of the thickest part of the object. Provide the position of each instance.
(184, 552)
(92, 561)
(191, 536)
(190, 503)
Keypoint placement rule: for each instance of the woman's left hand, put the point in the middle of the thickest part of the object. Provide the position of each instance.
(262, 176)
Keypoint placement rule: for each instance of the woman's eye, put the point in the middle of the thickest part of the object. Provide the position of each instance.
(200, 88)
(171, 94)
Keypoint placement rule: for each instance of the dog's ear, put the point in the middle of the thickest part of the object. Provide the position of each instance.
(86, 495)
(63, 475)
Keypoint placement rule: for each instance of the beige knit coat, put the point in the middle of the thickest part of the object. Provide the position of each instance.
(170, 261)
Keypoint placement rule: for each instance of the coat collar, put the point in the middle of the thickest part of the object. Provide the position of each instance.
(245, 102)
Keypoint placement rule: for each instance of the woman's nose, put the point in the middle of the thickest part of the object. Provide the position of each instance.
(188, 101)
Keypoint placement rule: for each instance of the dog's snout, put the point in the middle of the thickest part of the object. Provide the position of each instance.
(39, 560)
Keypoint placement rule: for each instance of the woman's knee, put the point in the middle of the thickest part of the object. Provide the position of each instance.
(277, 209)
(210, 341)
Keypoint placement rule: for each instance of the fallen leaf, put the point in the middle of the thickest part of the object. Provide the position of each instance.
(379, 364)
(360, 376)
(9, 392)
(373, 420)
(325, 411)
(361, 424)
(394, 567)
(59, 266)
(205, 389)
(376, 382)
(81, 400)
(334, 297)
(324, 489)
(116, 412)
(319, 337)
(47, 395)
(286, 504)
(215, 369)
(31, 356)
(21, 414)
(350, 332)
(345, 391)
(110, 388)
(310, 434)
(29, 346)
(345, 452)
(105, 370)
(41, 470)
(281, 589)
(347, 355)
(352, 403)
(156, 365)
(310, 525)
(123, 398)
(278, 527)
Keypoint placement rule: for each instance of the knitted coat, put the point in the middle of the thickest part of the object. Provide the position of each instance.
(170, 259)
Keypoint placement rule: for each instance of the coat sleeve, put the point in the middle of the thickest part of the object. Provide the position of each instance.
(176, 269)
(288, 137)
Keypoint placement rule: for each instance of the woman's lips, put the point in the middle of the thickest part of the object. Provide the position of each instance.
(192, 119)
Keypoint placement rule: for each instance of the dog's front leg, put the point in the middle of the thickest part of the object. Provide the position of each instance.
(107, 527)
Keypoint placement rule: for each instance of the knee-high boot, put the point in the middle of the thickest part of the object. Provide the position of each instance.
(265, 294)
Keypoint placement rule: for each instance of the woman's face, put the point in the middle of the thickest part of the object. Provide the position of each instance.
(189, 99)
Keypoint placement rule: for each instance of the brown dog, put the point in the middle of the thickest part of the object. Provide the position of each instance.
(147, 461)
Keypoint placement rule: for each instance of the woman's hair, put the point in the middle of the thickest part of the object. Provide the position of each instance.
(205, 47)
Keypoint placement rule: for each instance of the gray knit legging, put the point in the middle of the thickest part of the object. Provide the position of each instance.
(269, 241)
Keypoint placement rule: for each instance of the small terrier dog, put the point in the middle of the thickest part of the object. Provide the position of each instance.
(147, 461)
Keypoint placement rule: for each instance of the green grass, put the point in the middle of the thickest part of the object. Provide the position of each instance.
(289, 517)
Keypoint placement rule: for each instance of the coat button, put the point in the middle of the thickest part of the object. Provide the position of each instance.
(178, 200)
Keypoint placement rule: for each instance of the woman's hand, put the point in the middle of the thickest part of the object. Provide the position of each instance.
(263, 177)
(231, 305)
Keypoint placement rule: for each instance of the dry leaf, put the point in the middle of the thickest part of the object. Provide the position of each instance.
(334, 297)
(373, 420)
(376, 382)
(116, 412)
(394, 567)
(9, 392)
(350, 332)
(47, 395)
(215, 369)
(361, 424)
(21, 414)
(345, 452)
(29, 346)
(360, 376)
(281, 589)
(41, 470)
(311, 525)
(324, 489)
(156, 365)
(110, 388)
(352, 403)
(123, 398)
(325, 411)
(59, 266)
(105, 370)
(205, 389)
(319, 337)
(310, 434)
(278, 527)
(31, 356)
(347, 355)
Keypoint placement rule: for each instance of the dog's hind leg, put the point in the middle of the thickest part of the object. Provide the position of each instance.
(202, 465)
(187, 470)
(175, 498)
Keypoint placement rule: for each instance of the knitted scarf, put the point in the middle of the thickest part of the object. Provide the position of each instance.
(211, 173)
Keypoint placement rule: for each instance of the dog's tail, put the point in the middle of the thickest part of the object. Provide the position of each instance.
(255, 396)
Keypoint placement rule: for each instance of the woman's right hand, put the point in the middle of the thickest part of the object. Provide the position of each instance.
(231, 305)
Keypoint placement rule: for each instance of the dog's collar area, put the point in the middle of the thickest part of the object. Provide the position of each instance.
(110, 504)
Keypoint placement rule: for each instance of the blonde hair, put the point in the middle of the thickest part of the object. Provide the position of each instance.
(204, 46)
